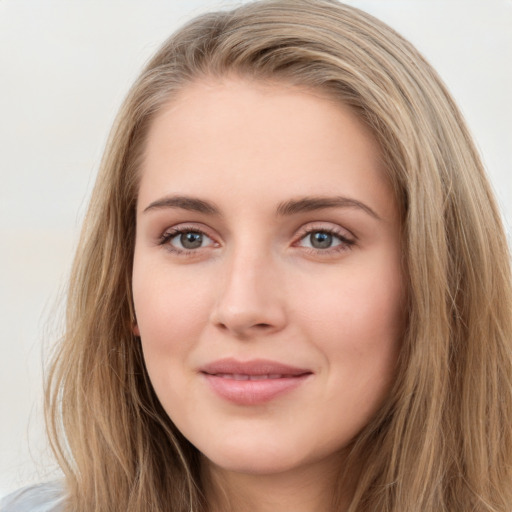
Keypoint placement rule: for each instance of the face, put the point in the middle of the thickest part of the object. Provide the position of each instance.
(267, 281)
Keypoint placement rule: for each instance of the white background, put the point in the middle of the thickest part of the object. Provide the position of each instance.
(64, 68)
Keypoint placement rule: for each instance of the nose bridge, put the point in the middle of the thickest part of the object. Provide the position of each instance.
(250, 299)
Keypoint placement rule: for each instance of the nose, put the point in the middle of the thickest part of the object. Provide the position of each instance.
(251, 297)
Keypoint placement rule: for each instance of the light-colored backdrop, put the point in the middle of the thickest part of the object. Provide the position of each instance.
(64, 69)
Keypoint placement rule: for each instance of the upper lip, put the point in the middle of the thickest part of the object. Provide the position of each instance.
(253, 367)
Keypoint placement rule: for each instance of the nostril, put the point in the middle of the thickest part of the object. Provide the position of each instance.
(262, 326)
(257, 327)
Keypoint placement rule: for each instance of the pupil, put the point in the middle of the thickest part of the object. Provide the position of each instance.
(321, 240)
(191, 240)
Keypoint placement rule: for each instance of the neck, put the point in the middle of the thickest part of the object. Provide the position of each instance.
(302, 490)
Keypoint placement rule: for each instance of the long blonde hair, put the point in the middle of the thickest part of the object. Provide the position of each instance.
(443, 440)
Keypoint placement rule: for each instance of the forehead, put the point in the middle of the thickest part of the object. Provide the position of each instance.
(247, 136)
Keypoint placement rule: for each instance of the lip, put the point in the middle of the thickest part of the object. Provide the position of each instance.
(252, 382)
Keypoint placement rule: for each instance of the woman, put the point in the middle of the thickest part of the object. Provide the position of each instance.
(292, 290)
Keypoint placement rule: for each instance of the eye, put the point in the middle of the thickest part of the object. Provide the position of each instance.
(184, 239)
(321, 240)
(324, 239)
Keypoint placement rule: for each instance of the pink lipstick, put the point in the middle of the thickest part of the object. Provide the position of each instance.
(252, 382)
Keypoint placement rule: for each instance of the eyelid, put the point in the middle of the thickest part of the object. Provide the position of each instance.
(346, 238)
(173, 231)
(328, 227)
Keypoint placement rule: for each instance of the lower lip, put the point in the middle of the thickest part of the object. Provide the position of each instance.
(253, 392)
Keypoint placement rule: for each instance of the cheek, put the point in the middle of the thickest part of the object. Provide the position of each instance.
(356, 308)
(164, 301)
(357, 323)
(171, 312)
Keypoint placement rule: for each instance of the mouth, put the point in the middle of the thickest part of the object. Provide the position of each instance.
(244, 376)
(252, 382)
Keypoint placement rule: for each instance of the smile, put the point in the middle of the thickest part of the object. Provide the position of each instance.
(252, 382)
(238, 376)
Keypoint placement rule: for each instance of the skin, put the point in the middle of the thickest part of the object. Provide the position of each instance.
(259, 286)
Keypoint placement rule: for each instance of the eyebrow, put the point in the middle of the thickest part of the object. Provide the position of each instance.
(308, 204)
(192, 204)
(287, 208)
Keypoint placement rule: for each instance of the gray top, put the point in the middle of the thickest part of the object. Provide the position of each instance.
(47, 497)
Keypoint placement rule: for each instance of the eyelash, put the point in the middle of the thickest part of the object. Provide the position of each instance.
(344, 245)
(168, 235)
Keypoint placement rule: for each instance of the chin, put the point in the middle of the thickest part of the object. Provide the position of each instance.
(254, 460)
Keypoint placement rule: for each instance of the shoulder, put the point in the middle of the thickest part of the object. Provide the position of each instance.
(47, 497)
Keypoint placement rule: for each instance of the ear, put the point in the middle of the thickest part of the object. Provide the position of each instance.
(135, 329)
